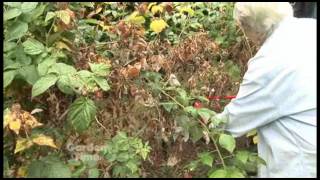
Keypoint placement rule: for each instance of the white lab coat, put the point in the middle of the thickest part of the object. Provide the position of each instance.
(278, 98)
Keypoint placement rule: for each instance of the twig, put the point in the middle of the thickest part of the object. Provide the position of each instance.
(63, 115)
(101, 124)
(47, 35)
(215, 144)
(172, 98)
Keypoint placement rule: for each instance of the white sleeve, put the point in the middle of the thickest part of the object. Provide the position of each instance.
(253, 107)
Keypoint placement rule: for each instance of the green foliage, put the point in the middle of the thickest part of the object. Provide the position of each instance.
(230, 172)
(48, 167)
(45, 45)
(126, 154)
(81, 113)
(43, 84)
(228, 142)
(86, 166)
(206, 158)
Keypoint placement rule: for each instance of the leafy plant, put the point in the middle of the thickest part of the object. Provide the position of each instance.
(125, 154)
(85, 166)
(195, 121)
(48, 167)
(58, 58)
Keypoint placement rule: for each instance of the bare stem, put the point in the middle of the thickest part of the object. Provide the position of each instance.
(101, 124)
(215, 144)
(172, 98)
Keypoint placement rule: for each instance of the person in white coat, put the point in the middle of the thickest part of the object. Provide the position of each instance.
(278, 93)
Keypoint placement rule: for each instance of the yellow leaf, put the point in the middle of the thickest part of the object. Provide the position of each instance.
(55, 28)
(135, 18)
(255, 139)
(252, 133)
(105, 28)
(7, 118)
(15, 125)
(158, 25)
(61, 45)
(43, 140)
(188, 10)
(22, 144)
(33, 123)
(151, 4)
(22, 171)
(64, 16)
(156, 9)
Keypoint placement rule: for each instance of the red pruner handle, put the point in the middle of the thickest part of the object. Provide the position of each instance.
(220, 97)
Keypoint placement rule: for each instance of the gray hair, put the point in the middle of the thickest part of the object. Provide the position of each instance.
(261, 17)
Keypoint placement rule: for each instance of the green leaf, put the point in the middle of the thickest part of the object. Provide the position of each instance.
(33, 47)
(57, 170)
(227, 142)
(28, 6)
(220, 173)
(81, 113)
(49, 16)
(79, 171)
(43, 84)
(93, 173)
(103, 83)
(233, 172)
(11, 13)
(99, 69)
(261, 161)
(145, 151)
(191, 110)
(62, 69)
(21, 56)
(87, 4)
(35, 169)
(64, 84)
(48, 167)
(16, 30)
(74, 162)
(242, 156)
(206, 158)
(44, 66)
(123, 157)
(132, 166)
(118, 171)
(8, 77)
(183, 97)
(29, 73)
(38, 11)
(256, 159)
(192, 165)
(196, 133)
(8, 46)
(12, 66)
(13, 4)
(168, 106)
